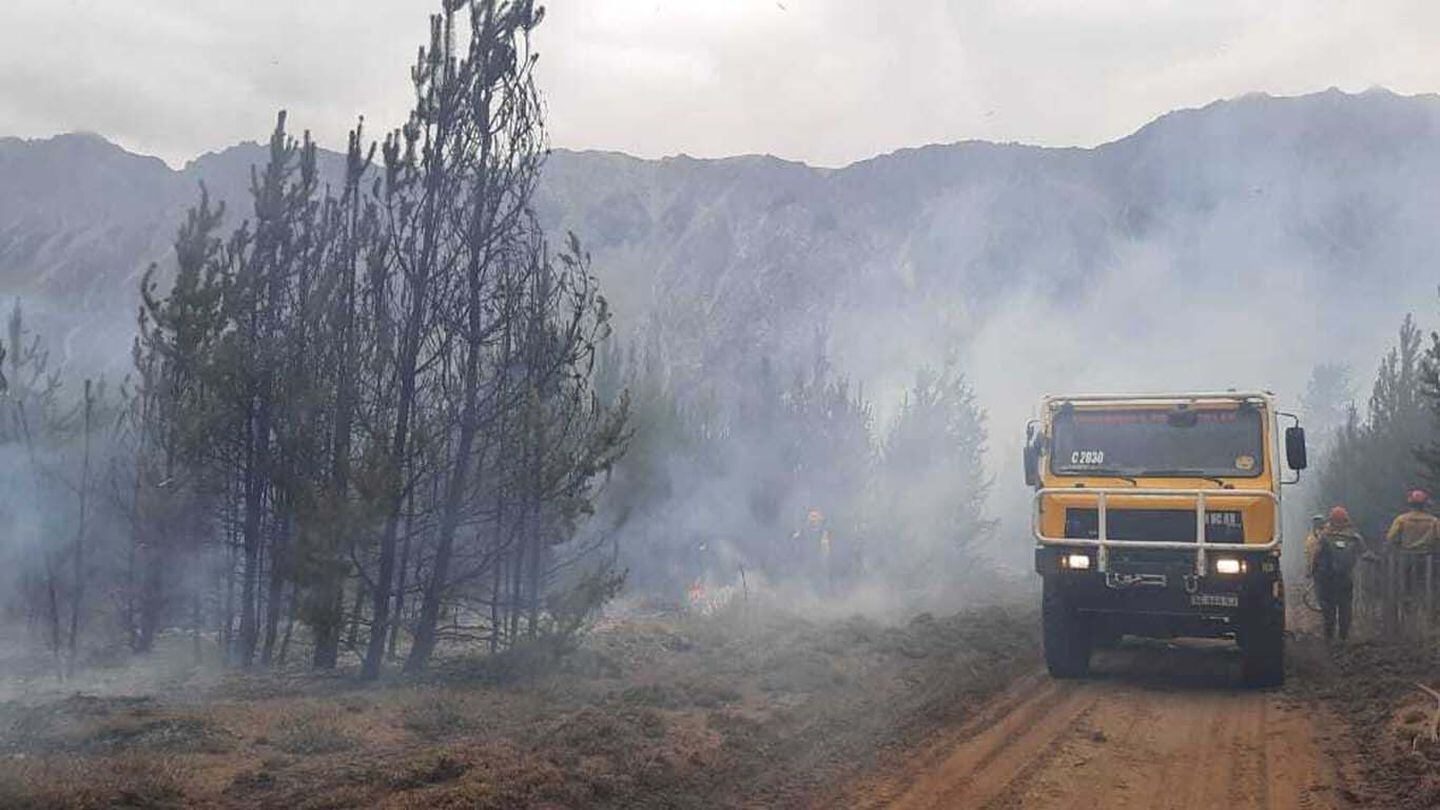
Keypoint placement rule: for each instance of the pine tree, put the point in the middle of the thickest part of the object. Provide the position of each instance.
(934, 479)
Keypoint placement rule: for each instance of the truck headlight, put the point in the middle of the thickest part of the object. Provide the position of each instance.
(1076, 562)
(1229, 565)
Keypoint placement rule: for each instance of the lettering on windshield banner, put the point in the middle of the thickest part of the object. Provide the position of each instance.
(1087, 458)
(1202, 417)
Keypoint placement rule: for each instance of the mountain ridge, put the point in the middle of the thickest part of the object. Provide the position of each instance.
(1252, 96)
(886, 259)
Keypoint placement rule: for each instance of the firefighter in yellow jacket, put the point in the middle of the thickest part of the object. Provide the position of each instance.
(1312, 541)
(1415, 529)
(814, 549)
(1413, 533)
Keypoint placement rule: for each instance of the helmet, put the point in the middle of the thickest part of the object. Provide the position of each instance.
(1418, 497)
(1339, 516)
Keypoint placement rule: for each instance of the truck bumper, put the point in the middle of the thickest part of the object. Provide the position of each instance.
(1161, 596)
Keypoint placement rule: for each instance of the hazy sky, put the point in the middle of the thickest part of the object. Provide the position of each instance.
(824, 81)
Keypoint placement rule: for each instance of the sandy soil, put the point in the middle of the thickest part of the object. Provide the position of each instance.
(1159, 726)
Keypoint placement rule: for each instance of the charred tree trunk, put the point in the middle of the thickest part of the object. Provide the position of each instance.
(278, 547)
(53, 618)
(425, 625)
(197, 625)
(392, 643)
(289, 624)
(357, 615)
(251, 535)
(232, 549)
(151, 599)
(78, 558)
(327, 629)
(330, 591)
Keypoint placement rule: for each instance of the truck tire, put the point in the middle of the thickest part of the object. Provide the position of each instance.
(1262, 652)
(1104, 636)
(1067, 635)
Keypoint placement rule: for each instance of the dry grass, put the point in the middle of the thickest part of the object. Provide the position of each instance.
(1371, 685)
(79, 782)
(435, 715)
(745, 708)
(315, 731)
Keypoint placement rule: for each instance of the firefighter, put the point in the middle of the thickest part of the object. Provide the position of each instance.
(1415, 529)
(1413, 533)
(817, 551)
(1333, 570)
(1312, 541)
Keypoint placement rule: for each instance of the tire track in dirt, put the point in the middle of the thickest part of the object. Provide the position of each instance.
(1159, 726)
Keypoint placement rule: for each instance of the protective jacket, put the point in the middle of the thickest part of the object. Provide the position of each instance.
(1415, 530)
(1312, 544)
(1337, 552)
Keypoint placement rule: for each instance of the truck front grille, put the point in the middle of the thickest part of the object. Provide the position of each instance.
(1155, 525)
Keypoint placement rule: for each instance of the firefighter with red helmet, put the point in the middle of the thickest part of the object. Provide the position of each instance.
(1333, 570)
(1413, 534)
(1415, 529)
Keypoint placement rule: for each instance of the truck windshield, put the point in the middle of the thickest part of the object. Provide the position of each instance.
(1181, 443)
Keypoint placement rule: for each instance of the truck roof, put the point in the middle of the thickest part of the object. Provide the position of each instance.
(1165, 397)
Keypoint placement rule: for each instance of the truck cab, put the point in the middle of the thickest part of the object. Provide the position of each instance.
(1160, 516)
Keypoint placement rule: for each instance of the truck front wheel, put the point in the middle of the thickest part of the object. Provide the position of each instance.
(1262, 647)
(1067, 634)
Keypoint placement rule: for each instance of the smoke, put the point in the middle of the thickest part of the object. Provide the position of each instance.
(1238, 246)
(787, 312)
(1152, 322)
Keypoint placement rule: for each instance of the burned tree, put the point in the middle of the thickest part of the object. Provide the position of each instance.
(362, 412)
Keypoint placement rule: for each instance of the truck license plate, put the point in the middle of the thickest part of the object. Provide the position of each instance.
(1215, 600)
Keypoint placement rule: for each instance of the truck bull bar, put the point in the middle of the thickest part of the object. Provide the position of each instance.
(1102, 543)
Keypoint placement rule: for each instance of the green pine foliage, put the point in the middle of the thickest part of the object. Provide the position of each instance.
(1369, 462)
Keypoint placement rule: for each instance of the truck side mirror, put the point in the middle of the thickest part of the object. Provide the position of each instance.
(1295, 448)
(1032, 462)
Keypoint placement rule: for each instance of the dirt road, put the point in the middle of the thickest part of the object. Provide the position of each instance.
(1159, 726)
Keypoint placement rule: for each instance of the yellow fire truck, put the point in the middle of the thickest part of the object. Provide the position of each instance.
(1160, 516)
